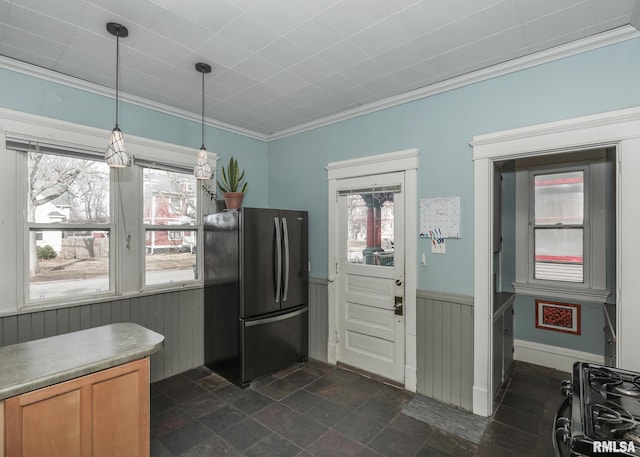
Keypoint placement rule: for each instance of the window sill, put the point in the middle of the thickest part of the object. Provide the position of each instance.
(565, 292)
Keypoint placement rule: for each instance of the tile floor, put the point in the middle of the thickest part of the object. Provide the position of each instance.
(314, 409)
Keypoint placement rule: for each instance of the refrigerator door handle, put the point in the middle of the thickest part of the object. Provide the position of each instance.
(278, 271)
(285, 235)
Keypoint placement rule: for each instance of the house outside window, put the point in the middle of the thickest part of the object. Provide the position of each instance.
(170, 199)
(560, 226)
(67, 227)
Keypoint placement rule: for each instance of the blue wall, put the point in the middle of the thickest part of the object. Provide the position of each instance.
(45, 98)
(290, 172)
(441, 127)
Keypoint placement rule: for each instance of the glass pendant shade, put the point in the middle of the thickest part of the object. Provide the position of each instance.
(202, 170)
(116, 155)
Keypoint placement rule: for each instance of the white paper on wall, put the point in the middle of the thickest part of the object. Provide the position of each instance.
(440, 217)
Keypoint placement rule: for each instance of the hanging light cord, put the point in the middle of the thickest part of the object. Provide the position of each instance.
(202, 110)
(117, 68)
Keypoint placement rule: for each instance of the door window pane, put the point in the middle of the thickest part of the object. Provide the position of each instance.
(559, 254)
(370, 231)
(69, 263)
(559, 198)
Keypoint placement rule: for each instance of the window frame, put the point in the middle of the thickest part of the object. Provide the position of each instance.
(125, 235)
(585, 226)
(147, 229)
(26, 227)
(593, 286)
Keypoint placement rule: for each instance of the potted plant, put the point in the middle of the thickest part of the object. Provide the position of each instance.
(232, 185)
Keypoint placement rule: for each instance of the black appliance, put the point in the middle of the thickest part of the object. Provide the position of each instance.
(600, 414)
(256, 291)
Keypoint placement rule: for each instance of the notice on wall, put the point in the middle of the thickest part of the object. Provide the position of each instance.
(440, 217)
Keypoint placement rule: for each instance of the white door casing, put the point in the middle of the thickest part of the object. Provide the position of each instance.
(617, 128)
(405, 161)
(370, 333)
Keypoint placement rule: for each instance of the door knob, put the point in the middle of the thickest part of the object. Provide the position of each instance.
(398, 282)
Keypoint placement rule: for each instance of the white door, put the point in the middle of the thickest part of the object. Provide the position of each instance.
(370, 274)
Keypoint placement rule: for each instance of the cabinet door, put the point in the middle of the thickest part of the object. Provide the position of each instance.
(507, 342)
(1, 429)
(47, 422)
(497, 352)
(120, 411)
(101, 414)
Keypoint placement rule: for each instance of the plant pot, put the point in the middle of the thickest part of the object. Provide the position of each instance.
(233, 200)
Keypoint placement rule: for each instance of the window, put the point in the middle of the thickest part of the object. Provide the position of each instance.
(68, 227)
(170, 199)
(560, 226)
(370, 231)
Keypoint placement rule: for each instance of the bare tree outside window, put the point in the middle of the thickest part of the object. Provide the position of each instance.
(68, 209)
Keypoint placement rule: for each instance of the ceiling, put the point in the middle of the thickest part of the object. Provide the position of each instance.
(278, 64)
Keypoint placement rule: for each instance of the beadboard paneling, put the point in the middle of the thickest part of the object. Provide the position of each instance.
(176, 315)
(318, 319)
(445, 349)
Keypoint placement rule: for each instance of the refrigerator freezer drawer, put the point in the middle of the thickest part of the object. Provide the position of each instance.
(273, 343)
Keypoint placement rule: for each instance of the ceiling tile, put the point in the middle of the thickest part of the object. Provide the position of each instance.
(335, 83)
(210, 14)
(48, 28)
(365, 70)
(311, 69)
(285, 82)
(315, 35)
(422, 18)
(235, 80)
(528, 10)
(489, 21)
(283, 52)
(380, 37)
(158, 46)
(143, 12)
(282, 17)
(19, 39)
(247, 31)
(463, 8)
(70, 11)
(258, 65)
(181, 31)
(223, 51)
(343, 54)
(263, 92)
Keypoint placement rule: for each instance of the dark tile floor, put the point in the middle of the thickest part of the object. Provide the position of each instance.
(313, 409)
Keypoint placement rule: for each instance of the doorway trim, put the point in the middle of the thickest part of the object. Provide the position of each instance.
(616, 128)
(400, 161)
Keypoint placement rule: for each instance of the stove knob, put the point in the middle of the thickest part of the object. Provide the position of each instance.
(563, 429)
(566, 388)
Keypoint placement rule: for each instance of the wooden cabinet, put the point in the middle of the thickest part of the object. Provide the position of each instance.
(104, 414)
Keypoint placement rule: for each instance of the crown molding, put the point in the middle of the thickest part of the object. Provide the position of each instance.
(600, 40)
(76, 83)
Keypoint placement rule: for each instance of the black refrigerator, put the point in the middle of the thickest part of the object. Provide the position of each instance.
(256, 291)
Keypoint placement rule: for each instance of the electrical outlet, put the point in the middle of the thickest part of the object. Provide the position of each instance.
(438, 248)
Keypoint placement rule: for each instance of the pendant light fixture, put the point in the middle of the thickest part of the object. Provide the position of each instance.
(202, 170)
(116, 155)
